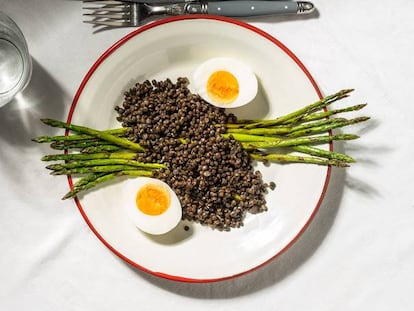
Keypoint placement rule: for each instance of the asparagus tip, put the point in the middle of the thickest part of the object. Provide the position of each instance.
(342, 164)
(364, 118)
(68, 195)
(46, 120)
(345, 137)
(360, 106)
(347, 91)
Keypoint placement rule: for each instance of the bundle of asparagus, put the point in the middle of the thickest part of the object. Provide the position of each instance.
(105, 155)
(102, 156)
(298, 131)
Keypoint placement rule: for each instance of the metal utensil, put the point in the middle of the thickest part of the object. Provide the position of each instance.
(153, 1)
(105, 2)
(131, 14)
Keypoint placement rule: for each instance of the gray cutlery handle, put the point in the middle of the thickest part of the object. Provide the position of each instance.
(155, 1)
(244, 8)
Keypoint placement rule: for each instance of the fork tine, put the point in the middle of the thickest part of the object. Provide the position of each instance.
(112, 13)
(104, 2)
(111, 10)
(108, 23)
(108, 9)
(107, 16)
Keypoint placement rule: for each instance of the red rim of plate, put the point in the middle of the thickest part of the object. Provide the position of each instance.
(118, 44)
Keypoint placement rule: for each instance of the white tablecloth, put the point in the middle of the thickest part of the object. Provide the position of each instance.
(358, 253)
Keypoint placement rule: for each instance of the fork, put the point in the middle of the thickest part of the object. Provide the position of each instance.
(114, 13)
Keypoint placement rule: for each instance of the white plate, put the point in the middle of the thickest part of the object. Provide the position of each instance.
(168, 49)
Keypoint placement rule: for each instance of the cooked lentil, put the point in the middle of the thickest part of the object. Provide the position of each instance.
(212, 176)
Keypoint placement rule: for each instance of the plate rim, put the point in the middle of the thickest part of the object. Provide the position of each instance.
(155, 24)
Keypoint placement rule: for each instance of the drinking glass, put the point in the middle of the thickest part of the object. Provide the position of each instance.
(15, 60)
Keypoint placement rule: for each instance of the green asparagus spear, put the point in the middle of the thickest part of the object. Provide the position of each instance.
(322, 153)
(90, 156)
(326, 114)
(288, 158)
(87, 179)
(305, 131)
(97, 162)
(48, 139)
(287, 142)
(122, 142)
(301, 129)
(104, 178)
(94, 169)
(251, 138)
(266, 131)
(102, 148)
(64, 145)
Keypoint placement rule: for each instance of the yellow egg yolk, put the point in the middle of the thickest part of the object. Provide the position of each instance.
(153, 199)
(222, 87)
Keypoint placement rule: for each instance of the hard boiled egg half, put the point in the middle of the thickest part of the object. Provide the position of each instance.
(225, 82)
(151, 205)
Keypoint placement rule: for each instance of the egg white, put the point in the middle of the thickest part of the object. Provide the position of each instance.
(246, 79)
(152, 224)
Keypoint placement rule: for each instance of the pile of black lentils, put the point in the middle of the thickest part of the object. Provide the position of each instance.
(212, 176)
